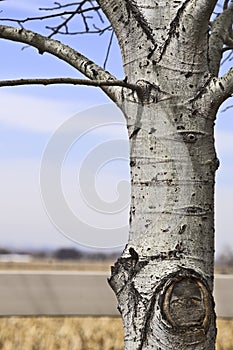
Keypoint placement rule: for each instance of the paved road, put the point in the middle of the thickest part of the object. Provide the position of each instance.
(77, 293)
(223, 293)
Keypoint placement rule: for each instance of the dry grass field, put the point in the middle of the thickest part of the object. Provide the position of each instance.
(61, 333)
(225, 334)
(58, 265)
(76, 333)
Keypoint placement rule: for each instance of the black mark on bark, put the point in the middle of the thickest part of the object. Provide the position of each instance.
(182, 229)
(134, 254)
(221, 86)
(152, 131)
(134, 133)
(188, 75)
(133, 9)
(173, 27)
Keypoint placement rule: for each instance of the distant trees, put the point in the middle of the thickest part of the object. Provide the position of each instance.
(225, 259)
(63, 253)
(4, 251)
(67, 254)
(76, 254)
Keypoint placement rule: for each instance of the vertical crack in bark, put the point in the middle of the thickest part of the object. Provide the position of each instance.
(134, 133)
(204, 89)
(137, 127)
(133, 9)
(173, 26)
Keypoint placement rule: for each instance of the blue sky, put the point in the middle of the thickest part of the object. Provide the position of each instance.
(29, 118)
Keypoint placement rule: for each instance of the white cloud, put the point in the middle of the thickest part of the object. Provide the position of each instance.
(22, 5)
(24, 220)
(34, 113)
(224, 190)
(45, 115)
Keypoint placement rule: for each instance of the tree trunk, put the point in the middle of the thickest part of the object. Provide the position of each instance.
(164, 278)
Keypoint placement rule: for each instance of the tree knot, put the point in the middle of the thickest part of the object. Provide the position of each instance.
(186, 302)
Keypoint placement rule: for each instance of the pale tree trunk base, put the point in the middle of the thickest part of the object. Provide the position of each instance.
(174, 312)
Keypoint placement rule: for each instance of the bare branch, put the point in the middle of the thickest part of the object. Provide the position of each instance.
(96, 31)
(59, 6)
(64, 23)
(82, 9)
(65, 20)
(108, 50)
(100, 15)
(114, 11)
(220, 36)
(63, 52)
(71, 81)
(42, 17)
(222, 88)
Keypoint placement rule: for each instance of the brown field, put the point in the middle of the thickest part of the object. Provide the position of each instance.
(78, 265)
(78, 333)
(58, 265)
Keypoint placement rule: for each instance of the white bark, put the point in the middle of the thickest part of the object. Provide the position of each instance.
(164, 278)
(224, 86)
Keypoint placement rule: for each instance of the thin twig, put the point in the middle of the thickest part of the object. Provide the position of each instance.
(108, 49)
(59, 6)
(65, 32)
(98, 13)
(72, 81)
(81, 9)
(54, 15)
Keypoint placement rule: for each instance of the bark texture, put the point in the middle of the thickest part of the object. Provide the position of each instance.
(171, 57)
(164, 278)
